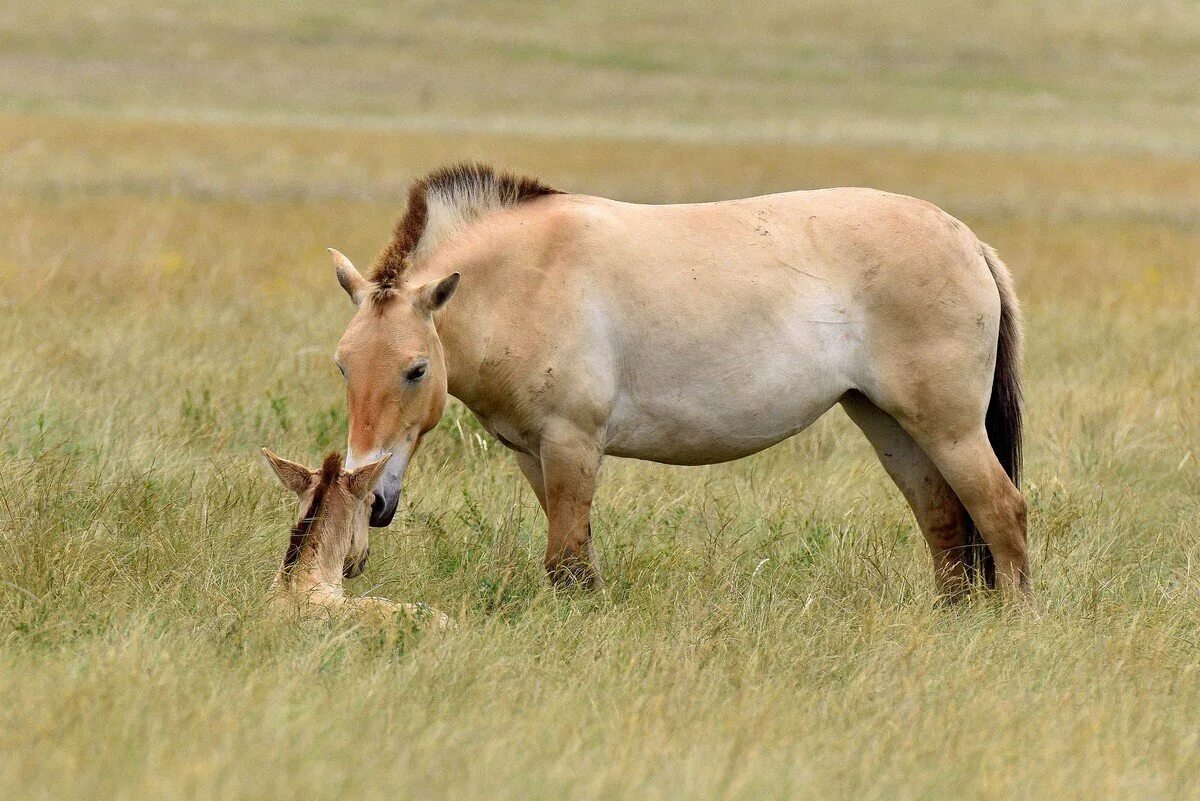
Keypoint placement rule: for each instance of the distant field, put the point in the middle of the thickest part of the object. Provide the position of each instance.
(1007, 74)
(168, 184)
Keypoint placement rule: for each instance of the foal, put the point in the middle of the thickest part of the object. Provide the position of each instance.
(329, 541)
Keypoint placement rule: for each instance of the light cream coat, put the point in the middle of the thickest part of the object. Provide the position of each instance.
(581, 327)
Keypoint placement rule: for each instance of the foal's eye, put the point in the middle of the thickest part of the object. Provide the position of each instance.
(416, 373)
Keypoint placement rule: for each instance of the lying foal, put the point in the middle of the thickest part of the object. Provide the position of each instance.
(329, 542)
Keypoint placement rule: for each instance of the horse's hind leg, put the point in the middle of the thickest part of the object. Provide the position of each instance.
(995, 504)
(940, 515)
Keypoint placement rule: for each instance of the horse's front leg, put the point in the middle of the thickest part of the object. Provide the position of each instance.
(570, 461)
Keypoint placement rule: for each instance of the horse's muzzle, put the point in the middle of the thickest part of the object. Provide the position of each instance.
(383, 510)
(355, 569)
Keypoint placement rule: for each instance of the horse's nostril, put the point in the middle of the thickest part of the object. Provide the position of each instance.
(382, 510)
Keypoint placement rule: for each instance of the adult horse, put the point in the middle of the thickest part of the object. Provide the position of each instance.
(576, 327)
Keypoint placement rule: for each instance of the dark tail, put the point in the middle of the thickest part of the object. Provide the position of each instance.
(1003, 420)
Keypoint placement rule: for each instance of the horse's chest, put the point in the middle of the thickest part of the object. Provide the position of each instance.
(510, 433)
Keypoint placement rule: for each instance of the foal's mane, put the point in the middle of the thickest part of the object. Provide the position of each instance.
(331, 468)
(444, 200)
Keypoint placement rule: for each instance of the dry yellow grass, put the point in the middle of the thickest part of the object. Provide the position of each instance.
(166, 307)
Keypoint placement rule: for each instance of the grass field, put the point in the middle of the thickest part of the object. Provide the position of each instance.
(169, 179)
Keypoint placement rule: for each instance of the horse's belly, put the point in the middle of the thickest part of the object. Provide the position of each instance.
(675, 446)
(695, 424)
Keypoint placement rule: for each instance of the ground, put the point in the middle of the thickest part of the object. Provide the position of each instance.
(169, 179)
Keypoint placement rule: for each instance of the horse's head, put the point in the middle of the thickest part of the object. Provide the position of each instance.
(395, 374)
(333, 517)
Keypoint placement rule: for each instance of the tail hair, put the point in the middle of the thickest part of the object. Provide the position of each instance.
(1003, 420)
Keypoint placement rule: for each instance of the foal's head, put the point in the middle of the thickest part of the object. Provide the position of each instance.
(329, 541)
(395, 374)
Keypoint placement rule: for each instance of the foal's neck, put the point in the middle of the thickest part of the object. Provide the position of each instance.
(317, 573)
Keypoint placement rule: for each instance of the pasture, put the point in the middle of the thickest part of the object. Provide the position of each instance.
(169, 181)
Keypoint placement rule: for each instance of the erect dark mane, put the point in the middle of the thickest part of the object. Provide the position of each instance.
(466, 191)
(331, 468)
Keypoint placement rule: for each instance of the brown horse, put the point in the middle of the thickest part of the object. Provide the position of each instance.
(329, 541)
(691, 334)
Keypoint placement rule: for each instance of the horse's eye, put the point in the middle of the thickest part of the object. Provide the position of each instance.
(415, 374)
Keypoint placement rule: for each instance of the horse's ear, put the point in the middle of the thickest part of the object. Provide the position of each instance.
(295, 477)
(435, 294)
(363, 480)
(351, 280)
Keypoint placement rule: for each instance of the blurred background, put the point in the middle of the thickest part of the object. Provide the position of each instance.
(1102, 74)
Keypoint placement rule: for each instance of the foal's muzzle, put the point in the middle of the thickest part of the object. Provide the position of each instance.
(354, 569)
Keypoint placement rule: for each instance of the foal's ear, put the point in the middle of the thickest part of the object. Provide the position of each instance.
(351, 280)
(295, 477)
(363, 480)
(434, 295)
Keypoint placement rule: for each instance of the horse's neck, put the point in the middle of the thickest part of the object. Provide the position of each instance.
(307, 587)
(462, 325)
(317, 575)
